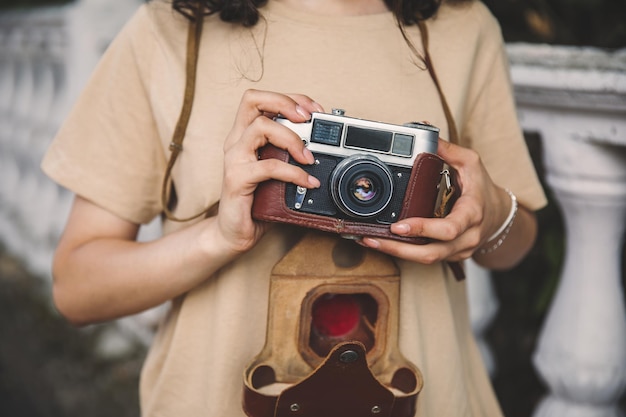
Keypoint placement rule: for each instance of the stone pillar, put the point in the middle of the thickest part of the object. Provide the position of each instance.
(582, 350)
(576, 99)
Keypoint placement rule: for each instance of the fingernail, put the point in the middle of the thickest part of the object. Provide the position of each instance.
(318, 107)
(400, 228)
(308, 155)
(305, 114)
(372, 243)
(313, 182)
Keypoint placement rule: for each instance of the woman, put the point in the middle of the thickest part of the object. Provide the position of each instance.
(291, 57)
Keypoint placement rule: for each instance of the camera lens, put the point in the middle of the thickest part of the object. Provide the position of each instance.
(361, 186)
(363, 189)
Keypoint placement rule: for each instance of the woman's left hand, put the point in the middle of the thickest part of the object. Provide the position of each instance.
(477, 214)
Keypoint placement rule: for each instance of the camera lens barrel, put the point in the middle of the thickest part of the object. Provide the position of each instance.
(361, 185)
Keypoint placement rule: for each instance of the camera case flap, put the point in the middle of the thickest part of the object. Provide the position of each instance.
(422, 198)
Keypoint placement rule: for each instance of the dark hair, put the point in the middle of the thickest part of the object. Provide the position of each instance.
(245, 12)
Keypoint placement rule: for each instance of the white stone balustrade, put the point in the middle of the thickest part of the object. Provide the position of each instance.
(575, 98)
(33, 83)
(45, 57)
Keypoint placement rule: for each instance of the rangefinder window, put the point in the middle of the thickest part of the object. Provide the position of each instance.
(402, 145)
(376, 140)
(326, 132)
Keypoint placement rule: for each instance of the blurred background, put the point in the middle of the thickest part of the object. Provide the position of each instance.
(568, 65)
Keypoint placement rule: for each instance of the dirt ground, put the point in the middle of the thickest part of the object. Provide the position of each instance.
(47, 367)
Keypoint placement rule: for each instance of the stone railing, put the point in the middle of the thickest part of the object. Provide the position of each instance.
(46, 55)
(33, 91)
(575, 98)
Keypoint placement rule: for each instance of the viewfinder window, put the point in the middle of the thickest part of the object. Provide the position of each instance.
(377, 140)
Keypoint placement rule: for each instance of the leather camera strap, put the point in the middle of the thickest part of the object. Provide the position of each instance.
(176, 145)
(453, 133)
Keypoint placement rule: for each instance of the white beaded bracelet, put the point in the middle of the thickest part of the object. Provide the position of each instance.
(504, 230)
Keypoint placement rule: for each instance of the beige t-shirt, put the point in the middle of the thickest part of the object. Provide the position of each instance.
(113, 150)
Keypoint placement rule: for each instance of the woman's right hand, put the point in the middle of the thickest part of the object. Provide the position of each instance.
(243, 171)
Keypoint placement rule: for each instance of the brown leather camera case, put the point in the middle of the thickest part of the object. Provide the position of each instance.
(421, 200)
(289, 378)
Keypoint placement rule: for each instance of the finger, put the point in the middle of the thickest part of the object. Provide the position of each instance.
(267, 169)
(430, 253)
(255, 103)
(455, 155)
(307, 103)
(425, 254)
(263, 131)
(443, 229)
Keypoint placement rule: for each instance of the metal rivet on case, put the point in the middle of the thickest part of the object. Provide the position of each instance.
(294, 407)
(376, 409)
(309, 201)
(348, 356)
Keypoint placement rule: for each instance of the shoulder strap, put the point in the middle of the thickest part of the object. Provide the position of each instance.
(453, 133)
(176, 145)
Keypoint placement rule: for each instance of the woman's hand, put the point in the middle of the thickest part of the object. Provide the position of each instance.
(243, 171)
(476, 216)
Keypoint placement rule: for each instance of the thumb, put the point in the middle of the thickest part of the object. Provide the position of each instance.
(453, 154)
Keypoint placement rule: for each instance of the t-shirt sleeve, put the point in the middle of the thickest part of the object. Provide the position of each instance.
(492, 127)
(108, 149)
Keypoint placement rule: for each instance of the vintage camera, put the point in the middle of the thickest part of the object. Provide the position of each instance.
(364, 166)
(372, 174)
